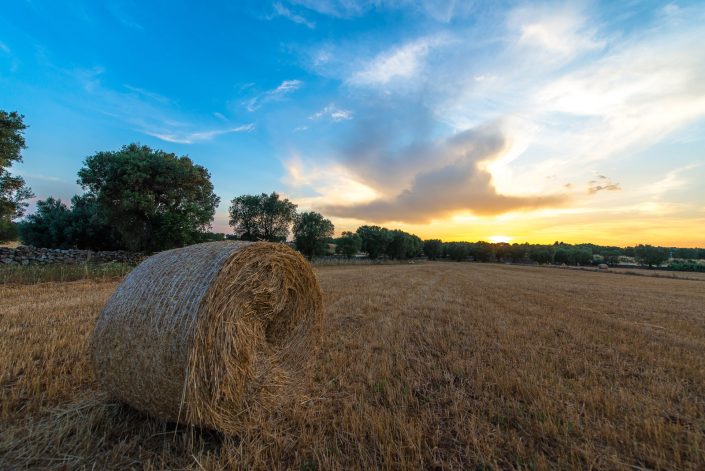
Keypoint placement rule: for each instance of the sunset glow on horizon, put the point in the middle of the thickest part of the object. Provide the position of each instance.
(511, 122)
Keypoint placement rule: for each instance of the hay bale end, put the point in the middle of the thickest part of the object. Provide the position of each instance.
(200, 334)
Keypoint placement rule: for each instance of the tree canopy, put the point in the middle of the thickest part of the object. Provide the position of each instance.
(262, 217)
(348, 244)
(311, 233)
(13, 190)
(155, 200)
(403, 245)
(46, 227)
(650, 255)
(433, 248)
(375, 240)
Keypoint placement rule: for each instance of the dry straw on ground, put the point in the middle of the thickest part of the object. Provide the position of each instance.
(203, 334)
(426, 366)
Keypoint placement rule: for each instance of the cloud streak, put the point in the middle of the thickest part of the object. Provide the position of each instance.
(402, 62)
(198, 136)
(147, 112)
(282, 11)
(333, 113)
(278, 93)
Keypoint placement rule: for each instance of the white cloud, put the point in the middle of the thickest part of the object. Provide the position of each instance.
(334, 183)
(673, 180)
(633, 97)
(440, 10)
(333, 113)
(284, 88)
(145, 111)
(559, 30)
(569, 95)
(401, 62)
(192, 137)
(336, 8)
(147, 94)
(283, 11)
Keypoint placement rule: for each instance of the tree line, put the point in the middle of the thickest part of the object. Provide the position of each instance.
(148, 200)
(563, 254)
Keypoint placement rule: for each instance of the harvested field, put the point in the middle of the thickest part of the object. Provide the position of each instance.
(435, 365)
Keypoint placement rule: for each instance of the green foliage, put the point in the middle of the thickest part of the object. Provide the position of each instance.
(12, 140)
(13, 190)
(582, 256)
(375, 240)
(572, 255)
(482, 251)
(8, 230)
(541, 253)
(262, 217)
(403, 245)
(503, 251)
(212, 237)
(650, 255)
(47, 226)
(457, 251)
(433, 249)
(563, 255)
(153, 199)
(54, 225)
(519, 252)
(686, 266)
(311, 233)
(611, 256)
(348, 244)
(87, 227)
(689, 253)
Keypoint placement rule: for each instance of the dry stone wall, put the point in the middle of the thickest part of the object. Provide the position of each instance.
(28, 255)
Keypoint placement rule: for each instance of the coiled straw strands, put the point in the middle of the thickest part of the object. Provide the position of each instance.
(198, 335)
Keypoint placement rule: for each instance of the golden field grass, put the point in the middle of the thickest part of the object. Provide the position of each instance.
(434, 366)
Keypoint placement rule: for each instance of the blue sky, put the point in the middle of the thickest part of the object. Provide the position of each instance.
(461, 120)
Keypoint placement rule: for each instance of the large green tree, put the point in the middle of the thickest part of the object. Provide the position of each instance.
(482, 251)
(433, 248)
(403, 245)
(348, 244)
(13, 190)
(54, 225)
(375, 240)
(154, 199)
(650, 255)
(262, 217)
(47, 226)
(541, 253)
(87, 228)
(457, 251)
(311, 233)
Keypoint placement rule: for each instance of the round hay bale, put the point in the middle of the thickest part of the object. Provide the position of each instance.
(199, 335)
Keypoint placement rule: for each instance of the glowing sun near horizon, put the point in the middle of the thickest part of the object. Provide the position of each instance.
(498, 239)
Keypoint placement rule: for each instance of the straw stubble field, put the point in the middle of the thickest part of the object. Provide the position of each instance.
(435, 365)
